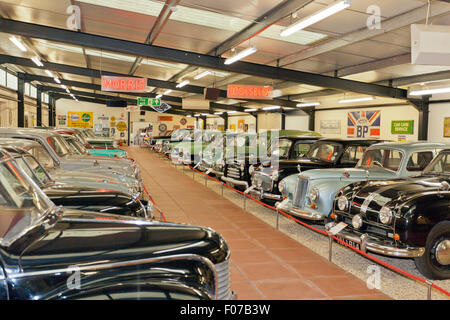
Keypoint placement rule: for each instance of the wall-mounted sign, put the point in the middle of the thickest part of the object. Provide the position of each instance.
(402, 127)
(364, 124)
(80, 119)
(148, 102)
(238, 91)
(446, 127)
(121, 126)
(162, 127)
(330, 126)
(162, 108)
(131, 108)
(113, 118)
(123, 84)
(103, 118)
(165, 118)
(183, 121)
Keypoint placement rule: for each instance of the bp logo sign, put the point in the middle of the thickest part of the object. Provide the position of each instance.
(85, 117)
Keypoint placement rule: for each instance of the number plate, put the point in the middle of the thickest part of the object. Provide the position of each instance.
(349, 242)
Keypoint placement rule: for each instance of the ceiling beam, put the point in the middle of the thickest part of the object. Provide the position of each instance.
(154, 52)
(394, 23)
(159, 24)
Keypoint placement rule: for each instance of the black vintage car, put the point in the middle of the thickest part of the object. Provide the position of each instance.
(78, 196)
(49, 252)
(404, 218)
(324, 153)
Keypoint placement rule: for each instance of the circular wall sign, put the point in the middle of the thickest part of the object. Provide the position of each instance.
(121, 126)
(74, 117)
(162, 127)
(85, 117)
(183, 121)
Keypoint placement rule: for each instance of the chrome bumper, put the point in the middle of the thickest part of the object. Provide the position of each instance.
(368, 243)
(282, 206)
(235, 182)
(260, 194)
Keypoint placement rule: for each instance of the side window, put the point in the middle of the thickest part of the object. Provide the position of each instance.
(300, 149)
(419, 160)
(352, 154)
(393, 159)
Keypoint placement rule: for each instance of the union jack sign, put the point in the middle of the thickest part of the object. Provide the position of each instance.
(364, 124)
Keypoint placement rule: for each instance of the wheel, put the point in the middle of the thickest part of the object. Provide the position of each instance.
(435, 262)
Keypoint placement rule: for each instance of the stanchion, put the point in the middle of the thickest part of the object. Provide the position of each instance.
(430, 284)
(222, 188)
(245, 204)
(278, 217)
(206, 181)
(330, 248)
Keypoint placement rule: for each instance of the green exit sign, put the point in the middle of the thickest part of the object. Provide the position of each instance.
(148, 102)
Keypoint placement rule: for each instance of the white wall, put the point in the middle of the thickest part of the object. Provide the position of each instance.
(387, 115)
(268, 121)
(438, 112)
(298, 121)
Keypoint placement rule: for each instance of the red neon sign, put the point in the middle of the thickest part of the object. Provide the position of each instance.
(123, 84)
(238, 91)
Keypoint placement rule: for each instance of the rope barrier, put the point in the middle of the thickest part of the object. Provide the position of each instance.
(370, 257)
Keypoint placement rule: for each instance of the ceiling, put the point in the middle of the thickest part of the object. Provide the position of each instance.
(335, 44)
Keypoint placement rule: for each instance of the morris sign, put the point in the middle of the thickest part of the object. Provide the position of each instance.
(249, 92)
(123, 84)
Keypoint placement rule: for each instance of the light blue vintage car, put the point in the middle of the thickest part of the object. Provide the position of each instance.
(310, 195)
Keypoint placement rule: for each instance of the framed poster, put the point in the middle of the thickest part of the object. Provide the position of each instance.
(240, 125)
(80, 119)
(364, 124)
(446, 127)
(330, 126)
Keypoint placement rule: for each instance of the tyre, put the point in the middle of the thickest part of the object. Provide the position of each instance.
(435, 262)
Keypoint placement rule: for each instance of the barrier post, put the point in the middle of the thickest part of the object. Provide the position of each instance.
(330, 247)
(222, 188)
(429, 283)
(278, 217)
(243, 205)
(206, 181)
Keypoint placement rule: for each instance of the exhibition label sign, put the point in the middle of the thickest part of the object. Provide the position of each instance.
(364, 124)
(123, 84)
(80, 119)
(148, 102)
(238, 91)
(402, 127)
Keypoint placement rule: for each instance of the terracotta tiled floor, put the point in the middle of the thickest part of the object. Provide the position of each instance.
(266, 264)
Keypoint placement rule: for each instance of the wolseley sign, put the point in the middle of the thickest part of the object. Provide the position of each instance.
(123, 84)
(238, 91)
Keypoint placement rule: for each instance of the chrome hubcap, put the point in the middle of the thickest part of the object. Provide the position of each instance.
(443, 252)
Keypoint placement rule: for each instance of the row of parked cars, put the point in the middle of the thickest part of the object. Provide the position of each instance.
(76, 223)
(392, 197)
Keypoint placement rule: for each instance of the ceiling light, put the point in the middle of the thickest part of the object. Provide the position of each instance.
(182, 84)
(203, 74)
(424, 92)
(196, 115)
(271, 108)
(159, 96)
(241, 55)
(188, 116)
(67, 90)
(63, 86)
(356, 100)
(205, 114)
(167, 92)
(231, 111)
(37, 61)
(57, 80)
(316, 17)
(218, 113)
(18, 43)
(250, 110)
(49, 73)
(308, 104)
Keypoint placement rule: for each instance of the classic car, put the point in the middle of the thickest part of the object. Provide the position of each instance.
(191, 151)
(97, 141)
(290, 144)
(310, 194)
(78, 141)
(324, 153)
(165, 144)
(404, 218)
(75, 194)
(51, 252)
(59, 151)
(121, 183)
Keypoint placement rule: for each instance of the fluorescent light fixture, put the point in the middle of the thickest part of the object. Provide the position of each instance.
(308, 104)
(423, 92)
(203, 74)
(241, 55)
(167, 92)
(218, 113)
(49, 73)
(316, 17)
(37, 61)
(72, 95)
(356, 100)
(18, 43)
(57, 80)
(182, 84)
(67, 90)
(63, 86)
(271, 108)
(205, 114)
(250, 110)
(196, 115)
(188, 116)
(231, 111)
(159, 96)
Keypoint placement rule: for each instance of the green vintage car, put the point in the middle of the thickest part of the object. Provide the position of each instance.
(190, 149)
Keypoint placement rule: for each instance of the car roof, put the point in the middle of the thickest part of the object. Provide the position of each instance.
(46, 133)
(351, 140)
(300, 137)
(411, 145)
(19, 143)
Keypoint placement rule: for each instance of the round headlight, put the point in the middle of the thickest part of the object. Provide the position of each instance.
(357, 221)
(282, 187)
(385, 215)
(314, 194)
(342, 203)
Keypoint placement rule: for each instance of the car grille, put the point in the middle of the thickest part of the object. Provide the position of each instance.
(369, 226)
(300, 192)
(234, 172)
(263, 182)
(223, 275)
